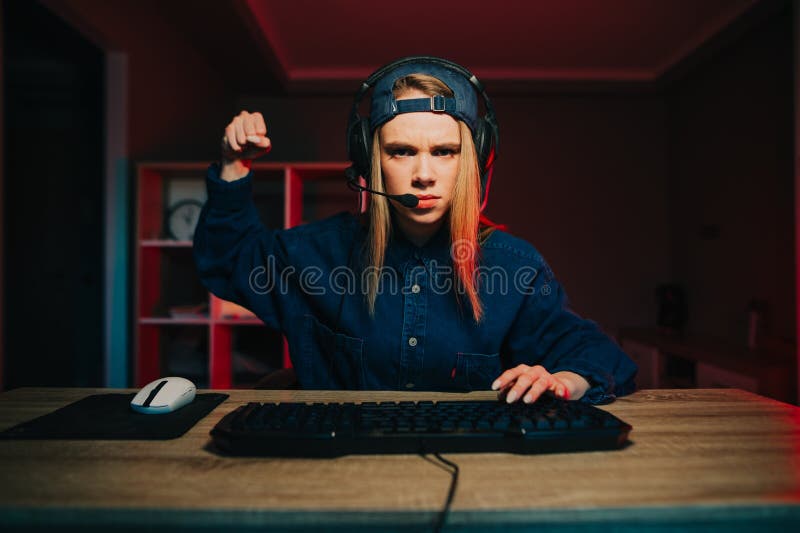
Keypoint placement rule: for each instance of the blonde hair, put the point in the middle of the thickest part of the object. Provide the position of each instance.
(464, 212)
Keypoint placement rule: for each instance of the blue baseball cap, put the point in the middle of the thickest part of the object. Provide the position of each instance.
(462, 106)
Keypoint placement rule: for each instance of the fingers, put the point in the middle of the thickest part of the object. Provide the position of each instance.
(238, 128)
(524, 381)
(528, 383)
(559, 389)
(539, 386)
(265, 143)
(562, 392)
(508, 376)
(259, 126)
(256, 130)
(538, 380)
(230, 136)
(246, 136)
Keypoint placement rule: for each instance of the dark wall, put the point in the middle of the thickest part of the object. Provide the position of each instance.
(52, 205)
(730, 132)
(176, 101)
(582, 178)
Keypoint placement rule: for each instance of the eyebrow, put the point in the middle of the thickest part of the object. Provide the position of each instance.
(405, 146)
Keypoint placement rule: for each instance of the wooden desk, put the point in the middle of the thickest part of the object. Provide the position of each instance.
(725, 459)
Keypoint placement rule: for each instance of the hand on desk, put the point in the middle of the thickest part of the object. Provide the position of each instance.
(535, 380)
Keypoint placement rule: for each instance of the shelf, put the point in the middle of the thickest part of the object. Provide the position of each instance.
(166, 321)
(164, 243)
(167, 281)
(238, 322)
(217, 350)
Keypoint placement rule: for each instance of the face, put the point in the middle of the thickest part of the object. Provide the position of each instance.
(420, 156)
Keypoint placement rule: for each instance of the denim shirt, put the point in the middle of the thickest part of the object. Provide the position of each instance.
(306, 282)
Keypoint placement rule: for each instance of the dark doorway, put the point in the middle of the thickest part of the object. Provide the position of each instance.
(53, 201)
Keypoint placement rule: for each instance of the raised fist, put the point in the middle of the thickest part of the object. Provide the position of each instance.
(245, 138)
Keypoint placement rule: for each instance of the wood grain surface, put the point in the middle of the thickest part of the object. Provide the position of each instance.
(693, 454)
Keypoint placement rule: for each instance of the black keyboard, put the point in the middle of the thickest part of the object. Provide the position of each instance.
(333, 429)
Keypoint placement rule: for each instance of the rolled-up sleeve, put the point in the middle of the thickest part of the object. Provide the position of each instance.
(547, 332)
(237, 258)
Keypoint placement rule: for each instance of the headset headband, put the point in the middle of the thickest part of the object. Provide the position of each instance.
(463, 106)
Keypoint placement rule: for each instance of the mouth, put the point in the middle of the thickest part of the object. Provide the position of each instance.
(426, 201)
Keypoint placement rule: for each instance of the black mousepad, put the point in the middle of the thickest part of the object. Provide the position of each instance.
(110, 417)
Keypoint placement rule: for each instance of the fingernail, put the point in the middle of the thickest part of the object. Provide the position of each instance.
(496, 384)
(528, 398)
(254, 138)
(511, 396)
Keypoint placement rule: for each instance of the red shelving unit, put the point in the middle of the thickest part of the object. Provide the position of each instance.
(181, 329)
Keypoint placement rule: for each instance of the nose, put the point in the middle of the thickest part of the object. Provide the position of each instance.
(423, 171)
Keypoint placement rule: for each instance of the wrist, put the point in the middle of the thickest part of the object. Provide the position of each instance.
(234, 169)
(576, 384)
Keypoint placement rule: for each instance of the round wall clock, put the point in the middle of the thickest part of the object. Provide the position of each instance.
(182, 219)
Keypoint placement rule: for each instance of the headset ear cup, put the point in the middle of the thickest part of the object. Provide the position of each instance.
(360, 147)
(483, 147)
(483, 143)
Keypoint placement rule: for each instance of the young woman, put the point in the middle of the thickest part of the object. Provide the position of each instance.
(419, 294)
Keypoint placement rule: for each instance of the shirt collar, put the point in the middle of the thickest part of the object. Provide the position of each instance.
(401, 249)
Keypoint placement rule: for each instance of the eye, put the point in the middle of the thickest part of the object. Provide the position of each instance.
(400, 152)
(444, 152)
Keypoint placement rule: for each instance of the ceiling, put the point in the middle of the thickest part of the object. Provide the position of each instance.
(312, 46)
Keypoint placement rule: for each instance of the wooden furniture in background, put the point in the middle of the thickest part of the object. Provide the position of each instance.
(179, 328)
(721, 460)
(669, 361)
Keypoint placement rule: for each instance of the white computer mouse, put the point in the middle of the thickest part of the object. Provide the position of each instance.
(164, 395)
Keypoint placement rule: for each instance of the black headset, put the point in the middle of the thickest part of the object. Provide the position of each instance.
(486, 136)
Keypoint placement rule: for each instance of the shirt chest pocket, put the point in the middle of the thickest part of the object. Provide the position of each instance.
(476, 371)
(329, 360)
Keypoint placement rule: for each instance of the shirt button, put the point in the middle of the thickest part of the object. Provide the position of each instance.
(415, 288)
(409, 385)
(412, 341)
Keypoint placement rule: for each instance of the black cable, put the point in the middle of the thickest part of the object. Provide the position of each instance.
(452, 492)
